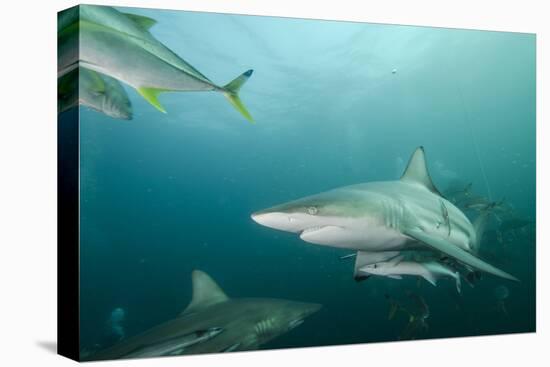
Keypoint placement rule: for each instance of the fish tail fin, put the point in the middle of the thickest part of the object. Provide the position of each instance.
(231, 92)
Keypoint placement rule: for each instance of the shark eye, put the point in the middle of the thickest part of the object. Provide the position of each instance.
(374, 266)
(312, 210)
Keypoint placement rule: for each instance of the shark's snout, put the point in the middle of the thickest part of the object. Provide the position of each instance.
(277, 220)
(314, 307)
(306, 310)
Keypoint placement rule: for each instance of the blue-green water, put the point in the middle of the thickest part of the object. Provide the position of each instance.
(335, 104)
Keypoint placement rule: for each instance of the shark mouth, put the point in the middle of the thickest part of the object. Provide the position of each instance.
(320, 233)
(295, 323)
(312, 229)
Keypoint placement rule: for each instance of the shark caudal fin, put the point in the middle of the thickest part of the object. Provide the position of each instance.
(231, 92)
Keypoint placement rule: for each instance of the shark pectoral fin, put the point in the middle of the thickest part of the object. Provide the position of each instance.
(231, 92)
(143, 22)
(394, 276)
(151, 96)
(457, 253)
(396, 260)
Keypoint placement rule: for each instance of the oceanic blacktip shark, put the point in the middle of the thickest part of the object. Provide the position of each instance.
(214, 323)
(407, 214)
(91, 89)
(397, 267)
(121, 46)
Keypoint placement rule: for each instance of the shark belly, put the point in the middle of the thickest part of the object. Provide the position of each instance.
(355, 235)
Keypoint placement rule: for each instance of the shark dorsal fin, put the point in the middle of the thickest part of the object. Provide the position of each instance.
(205, 293)
(417, 171)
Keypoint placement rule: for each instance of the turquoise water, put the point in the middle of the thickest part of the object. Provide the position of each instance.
(335, 104)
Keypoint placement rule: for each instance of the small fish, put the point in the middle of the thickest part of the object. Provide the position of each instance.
(417, 311)
(174, 345)
(502, 293)
(396, 268)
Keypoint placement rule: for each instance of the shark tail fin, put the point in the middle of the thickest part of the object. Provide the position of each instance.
(231, 92)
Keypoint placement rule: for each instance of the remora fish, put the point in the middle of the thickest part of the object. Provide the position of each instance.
(94, 90)
(176, 345)
(214, 323)
(395, 268)
(383, 216)
(120, 45)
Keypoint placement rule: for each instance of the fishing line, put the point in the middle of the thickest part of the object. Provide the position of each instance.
(472, 135)
(476, 145)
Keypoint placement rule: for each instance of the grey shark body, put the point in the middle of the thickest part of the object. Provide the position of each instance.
(214, 323)
(407, 214)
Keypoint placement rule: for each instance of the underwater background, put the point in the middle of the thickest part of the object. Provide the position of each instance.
(335, 104)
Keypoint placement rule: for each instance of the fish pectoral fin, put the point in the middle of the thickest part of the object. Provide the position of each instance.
(397, 260)
(457, 253)
(151, 96)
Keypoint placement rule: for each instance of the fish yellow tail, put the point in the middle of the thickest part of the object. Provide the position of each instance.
(231, 92)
